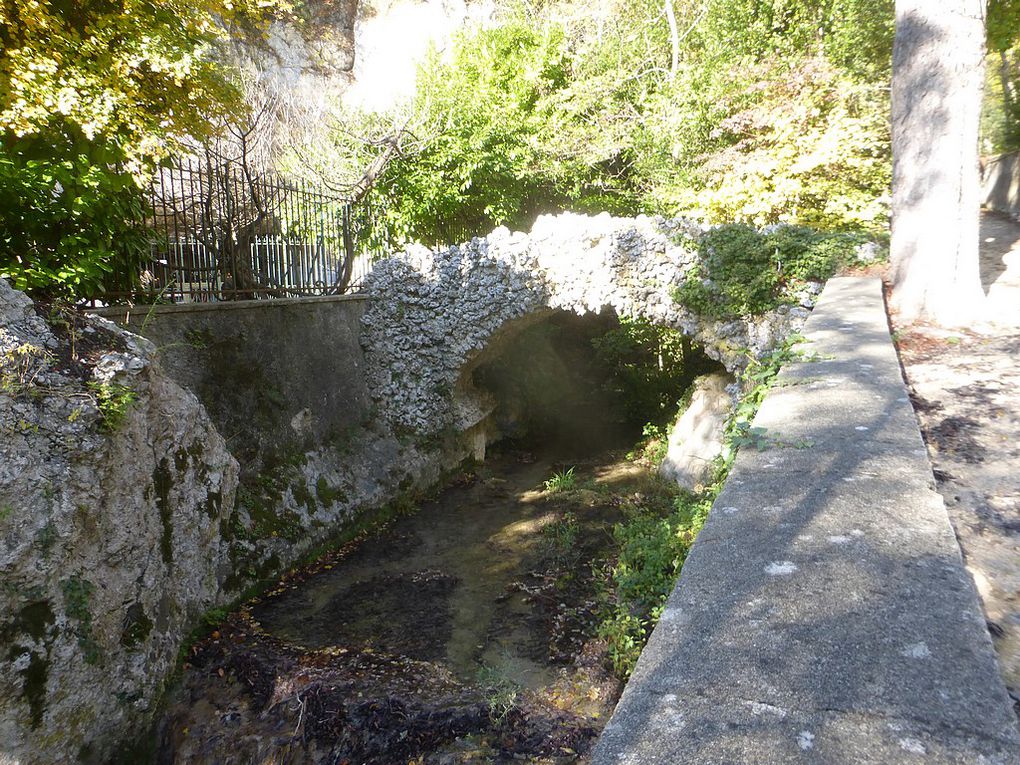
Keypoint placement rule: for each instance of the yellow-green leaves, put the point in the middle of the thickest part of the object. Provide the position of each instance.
(139, 71)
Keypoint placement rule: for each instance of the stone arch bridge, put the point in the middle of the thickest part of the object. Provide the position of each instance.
(434, 316)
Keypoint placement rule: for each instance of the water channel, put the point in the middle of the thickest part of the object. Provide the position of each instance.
(464, 632)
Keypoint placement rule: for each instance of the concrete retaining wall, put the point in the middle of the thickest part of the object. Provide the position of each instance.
(278, 377)
(824, 614)
(1000, 184)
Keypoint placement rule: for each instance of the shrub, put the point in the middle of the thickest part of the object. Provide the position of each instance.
(69, 217)
(652, 545)
(746, 272)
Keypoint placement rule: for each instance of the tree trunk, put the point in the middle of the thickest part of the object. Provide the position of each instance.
(674, 40)
(1008, 98)
(937, 82)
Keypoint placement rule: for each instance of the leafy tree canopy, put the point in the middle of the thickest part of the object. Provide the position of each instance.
(755, 111)
(134, 72)
(91, 93)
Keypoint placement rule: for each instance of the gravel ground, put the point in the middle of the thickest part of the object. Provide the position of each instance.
(964, 386)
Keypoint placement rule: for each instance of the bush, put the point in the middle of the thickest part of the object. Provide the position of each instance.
(746, 272)
(69, 216)
(653, 544)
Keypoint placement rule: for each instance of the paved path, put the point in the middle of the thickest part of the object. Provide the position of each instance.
(1000, 270)
(824, 614)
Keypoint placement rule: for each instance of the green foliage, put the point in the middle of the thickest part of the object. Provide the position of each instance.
(650, 364)
(653, 543)
(652, 447)
(563, 480)
(91, 94)
(113, 400)
(129, 70)
(775, 111)
(654, 539)
(746, 272)
(745, 435)
(477, 164)
(562, 534)
(69, 217)
(77, 604)
(19, 366)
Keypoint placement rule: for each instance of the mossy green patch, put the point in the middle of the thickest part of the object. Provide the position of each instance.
(46, 537)
(299, 490)
(746, 272)
(78, 607)
(162, 483)
(327, 494)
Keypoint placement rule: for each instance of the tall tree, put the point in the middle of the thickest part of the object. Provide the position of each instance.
(938, 75)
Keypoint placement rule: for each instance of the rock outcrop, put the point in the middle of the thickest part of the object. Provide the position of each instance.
(113, 488)
(697, 436)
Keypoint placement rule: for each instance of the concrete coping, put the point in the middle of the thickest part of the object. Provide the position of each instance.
(116, 312)
(824, 614)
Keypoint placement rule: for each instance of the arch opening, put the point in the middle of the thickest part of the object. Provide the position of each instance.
(581, 383)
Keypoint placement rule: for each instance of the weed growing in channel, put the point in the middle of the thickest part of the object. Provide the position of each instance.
(652, 544)
(562, 535)
(653, 540)
(651, 449)
(500, 692)
(113, 401)
(564, 480)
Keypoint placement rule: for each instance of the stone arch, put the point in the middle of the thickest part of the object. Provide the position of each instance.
(432, 313)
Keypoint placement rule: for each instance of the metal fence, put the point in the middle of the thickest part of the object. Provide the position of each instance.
(221, 231)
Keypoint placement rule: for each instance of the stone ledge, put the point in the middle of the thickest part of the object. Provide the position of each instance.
(119, 312)
(824, 614)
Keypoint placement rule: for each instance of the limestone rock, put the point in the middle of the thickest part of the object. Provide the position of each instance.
(697, 437)
(110, 542)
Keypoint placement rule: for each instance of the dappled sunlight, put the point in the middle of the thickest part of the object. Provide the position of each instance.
(518, 531)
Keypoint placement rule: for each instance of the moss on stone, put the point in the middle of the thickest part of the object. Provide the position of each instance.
(327, 494)
(299, 490)
(162, 482)
(78, 607)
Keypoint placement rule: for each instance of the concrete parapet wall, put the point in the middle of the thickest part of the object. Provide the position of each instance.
(1000, 184)
(824, 614)
(278, 377)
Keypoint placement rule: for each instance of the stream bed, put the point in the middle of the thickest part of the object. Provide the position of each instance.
(462, 633)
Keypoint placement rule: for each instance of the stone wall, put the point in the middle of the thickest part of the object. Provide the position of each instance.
(124, 516)
(434, 313)
(1000, 184)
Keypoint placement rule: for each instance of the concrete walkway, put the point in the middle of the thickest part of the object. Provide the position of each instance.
(824, 614)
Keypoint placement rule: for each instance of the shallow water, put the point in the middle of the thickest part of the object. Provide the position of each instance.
(465, 633)
(443, 585)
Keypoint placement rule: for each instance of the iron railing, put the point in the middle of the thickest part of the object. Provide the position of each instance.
(221, 231)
